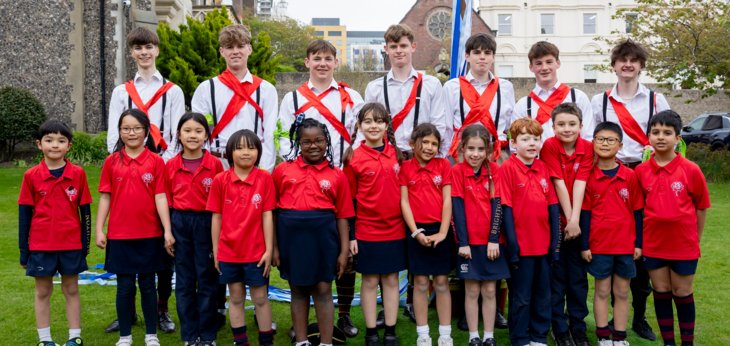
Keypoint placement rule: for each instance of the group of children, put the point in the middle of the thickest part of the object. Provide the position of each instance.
(406, 178)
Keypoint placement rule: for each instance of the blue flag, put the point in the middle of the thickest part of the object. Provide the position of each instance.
(460, 32)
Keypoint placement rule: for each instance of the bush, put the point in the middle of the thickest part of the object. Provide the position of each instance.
(21, 115)
(88, 149)
(715, 164)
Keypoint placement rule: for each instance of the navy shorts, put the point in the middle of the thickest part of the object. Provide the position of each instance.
(48, 263)
(605, 266)
(480, 267)
(681, 267)
(247, 273)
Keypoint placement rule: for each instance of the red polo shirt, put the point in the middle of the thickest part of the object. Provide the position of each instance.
(373, 178)
(475, 193)
(56, 225)
(133, 184)
(242, 204)
(568, 167)
(673, 195)
(612, 202)
(188, 190)
(424, 187)
(301, 186)
(529, 192)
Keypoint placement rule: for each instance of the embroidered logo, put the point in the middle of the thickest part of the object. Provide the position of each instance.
(624, 193)
(677, 187)
(437, 180)
(207, 183)
(42, 193)
(71, 192)
(396, 168)
(469, 188)
(544, 185)
(256, 200)
(464, 267)
(325, 185)
(228, 201)
(576, 166)
(148, 178)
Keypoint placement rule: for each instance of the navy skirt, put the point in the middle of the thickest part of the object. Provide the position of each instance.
(380, 257)
(134, 256)
(428, 260)
(308, 246)
(481, 268)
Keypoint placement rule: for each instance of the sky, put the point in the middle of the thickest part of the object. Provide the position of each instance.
(361, 15)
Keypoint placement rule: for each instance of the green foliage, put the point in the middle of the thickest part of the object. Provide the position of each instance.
(715, 164)
(88, 149)
(262, 61)
(21, 115)
(686, 39)
(289, 40)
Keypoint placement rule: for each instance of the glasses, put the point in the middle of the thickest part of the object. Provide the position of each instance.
(609, 140)
(128, 130)
(320, 142)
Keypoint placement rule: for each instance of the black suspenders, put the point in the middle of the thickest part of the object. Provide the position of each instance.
(162, 115)
(215, 116)
(499, 106)
(652, 96)
(295, 99)
(529, 102)
(418, 99)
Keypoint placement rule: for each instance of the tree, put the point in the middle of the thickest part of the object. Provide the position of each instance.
(686, 40)
(22, 115)
(289, 39)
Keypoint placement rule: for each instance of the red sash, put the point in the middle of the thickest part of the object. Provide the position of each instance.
(144, 107)
(401, 116)
(241, 94)
(546, 107)
(627, 121)
(316, 102)
(478, 112)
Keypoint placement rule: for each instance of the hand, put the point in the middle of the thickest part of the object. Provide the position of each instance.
(353, 247)
(572, 230)
(217, 266)
(465, 252)
(637, 253)
(492, 251)
(266, 262)
(275, 260)
(435, 239)
(100, 239)
(341, 263)
(587, 256)
(170, 243)
(423, 240)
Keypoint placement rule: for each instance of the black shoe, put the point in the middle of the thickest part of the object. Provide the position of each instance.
(114, 326)
(345, 323)
(499, 321)
(380, 321)
(489, 342)
(563, 339)
(462, 325)
(476, 342)
(390, 340)
(643, 329)
(372, 340)
(580, 339)
(409, 312)
(165, 323)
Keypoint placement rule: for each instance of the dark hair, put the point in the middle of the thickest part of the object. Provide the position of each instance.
(629, 48)
(295, 134)
(481, 41)
(54, 126)
(667, 118)
(568, 107)
(379, 114)
(423, 130)
(142, 119)
(541, 49)
(198, 118)
(478, 131)
(609, 126)
(142, 36)
(321, 46)
(243, 139)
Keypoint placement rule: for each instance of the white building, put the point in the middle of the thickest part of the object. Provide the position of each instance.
(571, 25)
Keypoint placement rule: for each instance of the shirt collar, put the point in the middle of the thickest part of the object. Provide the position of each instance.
(157, 76)
(538, 90)
(622, 173)
(333, 85)
(206, 162)
(388, 150)
(642, 89)
(523, 167)
(413, 74)
(581, 147)
(139, 159)
(670, 167)
(250, 179)
(474, 81)
(47, 172)
(469, 170)
(320, 166)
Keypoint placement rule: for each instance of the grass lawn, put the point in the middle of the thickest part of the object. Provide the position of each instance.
(17, 321)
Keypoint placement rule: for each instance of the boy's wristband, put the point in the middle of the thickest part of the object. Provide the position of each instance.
(417, 232)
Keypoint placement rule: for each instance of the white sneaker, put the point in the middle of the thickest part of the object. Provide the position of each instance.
(533, 343)
(605, 343)
(124, 341)
(445, 341)
(621, 343)
(423, 340)
(151, 340)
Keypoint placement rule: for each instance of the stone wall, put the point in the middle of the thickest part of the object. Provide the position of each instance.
(95, 109)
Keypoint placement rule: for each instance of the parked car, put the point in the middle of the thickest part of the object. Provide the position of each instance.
(712, 129)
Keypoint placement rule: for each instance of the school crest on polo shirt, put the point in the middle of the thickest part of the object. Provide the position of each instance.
(396, 168)
(437, 180)
(544, 185)
(71, 193)
(325, 185)
(677, 187)
(576, 166)
(148, 178)
(207, 183)
(624, 193)
(256, 200)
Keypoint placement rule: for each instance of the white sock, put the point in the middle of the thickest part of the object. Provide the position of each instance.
(422, 330)
(128, 337)
(74, 333)
(44, 334)
(473, 335)
(321, 344)
(488, 335)
(445, 330)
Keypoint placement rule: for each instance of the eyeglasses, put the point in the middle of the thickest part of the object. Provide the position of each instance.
(609, 140)
(320, 142)
(128, 130)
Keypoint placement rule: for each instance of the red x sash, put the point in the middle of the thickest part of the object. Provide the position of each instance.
(316, 102)
(478, 112)
(401, 116)
(241, 94)
(627, 121)
(144, 107)
(546, 107)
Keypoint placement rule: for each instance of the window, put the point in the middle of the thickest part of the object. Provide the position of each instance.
(630, 21)
(547, 23)
(319, 33)
(590, 73)
(696, 124)
(505, 71)
(505, 24)
(589, 23)
(334, 33)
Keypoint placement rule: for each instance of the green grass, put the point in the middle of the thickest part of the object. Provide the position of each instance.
(17, 321)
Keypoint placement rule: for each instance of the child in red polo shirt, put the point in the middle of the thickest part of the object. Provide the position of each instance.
(378, 239)
(532, 224)
(611, 221)
(241, 200)
(132, 187)
(676, 207)
(477, 224)
(312, 232)
(52, 236)
(569, 159)
(425, 182)
(189, 179)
